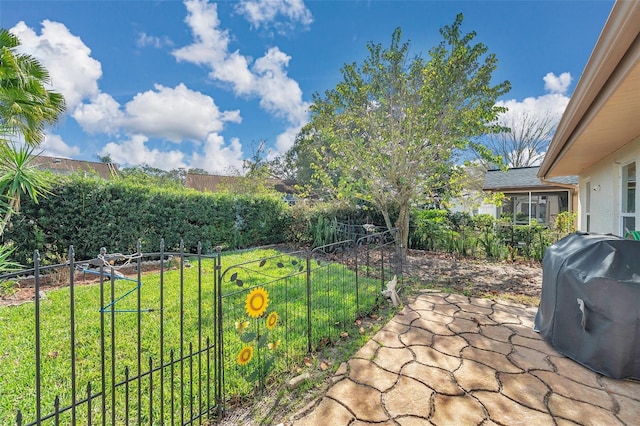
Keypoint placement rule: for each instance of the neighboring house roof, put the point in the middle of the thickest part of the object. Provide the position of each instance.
(603, 114)
(67, 166)
(523, 179)
(216, 183)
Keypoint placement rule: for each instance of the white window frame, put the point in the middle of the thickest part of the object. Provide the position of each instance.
(620, 191)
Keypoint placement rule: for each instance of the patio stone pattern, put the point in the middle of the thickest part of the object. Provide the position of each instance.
(447, 359)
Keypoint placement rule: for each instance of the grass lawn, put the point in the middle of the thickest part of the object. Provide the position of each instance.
(187, 384)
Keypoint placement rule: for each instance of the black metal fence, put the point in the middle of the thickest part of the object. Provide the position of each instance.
(171, 337)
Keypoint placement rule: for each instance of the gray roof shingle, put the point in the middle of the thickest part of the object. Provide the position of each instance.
(521, 178)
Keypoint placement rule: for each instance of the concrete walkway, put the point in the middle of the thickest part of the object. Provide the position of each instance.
(446, 359)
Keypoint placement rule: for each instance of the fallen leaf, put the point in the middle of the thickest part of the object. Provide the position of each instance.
(307, 362)
(344, 334)
(324, 366)
(361, 330)
(358, 322)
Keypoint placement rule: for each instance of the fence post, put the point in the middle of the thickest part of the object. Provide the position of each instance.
(218, 365)
(103, 373)
(139, 328)
(199, 328)
(162, 328)
(36, 273)
(73, 333)
(309, 301)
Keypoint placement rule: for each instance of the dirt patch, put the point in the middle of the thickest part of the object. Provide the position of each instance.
(519, 281)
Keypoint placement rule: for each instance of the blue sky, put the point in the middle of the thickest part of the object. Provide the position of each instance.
(198, 84)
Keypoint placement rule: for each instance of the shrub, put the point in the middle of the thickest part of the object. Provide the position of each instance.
(482, 221)
(565, 222)
(430, 229)
(319, 223)
(91, 213)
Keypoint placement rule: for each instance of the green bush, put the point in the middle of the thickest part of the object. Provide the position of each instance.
(431, 229)
(565, 222)
(318, 223)
(482, 221)
(480, 236)
(90, 213)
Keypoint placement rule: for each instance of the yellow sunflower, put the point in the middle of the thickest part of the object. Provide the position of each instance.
(272, 320)
(274, 345)
(245, 355)
(241, 326)
(257, 302)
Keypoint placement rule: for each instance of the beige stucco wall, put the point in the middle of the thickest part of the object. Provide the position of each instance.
(605, 190)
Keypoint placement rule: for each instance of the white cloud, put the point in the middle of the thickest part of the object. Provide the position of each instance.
(134, 152)
(101, 115)
(213, 155)
(176, 114)
(557, 84)
(552, 105)
(279, 94)
(285, 140)
(211, 44)
(73, 71)
(218, 158)
(211, 48)
(266, 79)
(145, 40)
(54, 146)
(264, 13)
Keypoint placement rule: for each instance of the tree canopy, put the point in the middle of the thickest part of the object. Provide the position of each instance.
(525, 138)
(388, 133)
(27, 106)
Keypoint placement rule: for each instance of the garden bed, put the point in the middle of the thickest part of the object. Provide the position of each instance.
(520, 281)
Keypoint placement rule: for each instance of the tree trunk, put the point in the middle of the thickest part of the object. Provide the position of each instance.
(387, 218)
(402, 241)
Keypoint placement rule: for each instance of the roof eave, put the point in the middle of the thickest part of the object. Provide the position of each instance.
(619, 33)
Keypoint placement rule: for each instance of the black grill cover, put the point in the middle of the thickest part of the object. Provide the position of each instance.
(590, 304)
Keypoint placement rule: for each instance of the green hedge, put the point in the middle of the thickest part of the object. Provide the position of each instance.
(90, 213)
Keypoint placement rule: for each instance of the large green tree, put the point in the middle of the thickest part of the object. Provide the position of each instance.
(388, 132)
(27, 106)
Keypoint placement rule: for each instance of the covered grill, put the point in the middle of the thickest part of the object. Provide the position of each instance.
(590, 304)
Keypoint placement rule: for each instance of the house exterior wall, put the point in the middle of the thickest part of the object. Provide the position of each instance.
(486, 208)
(604, 203)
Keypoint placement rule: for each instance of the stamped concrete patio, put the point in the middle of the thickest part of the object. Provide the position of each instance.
(446, 359)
